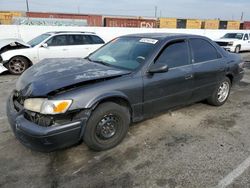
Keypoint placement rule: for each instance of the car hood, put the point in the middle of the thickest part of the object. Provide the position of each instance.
(227, 40)
(53, 74)
(12, 42)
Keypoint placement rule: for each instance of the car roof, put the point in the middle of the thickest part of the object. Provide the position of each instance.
(162, 36)
(70, 32)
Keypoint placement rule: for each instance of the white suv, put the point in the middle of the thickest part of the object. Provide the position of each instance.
(17, 56)
(235, 42)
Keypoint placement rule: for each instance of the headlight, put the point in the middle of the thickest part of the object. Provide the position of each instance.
(45, 106)
(230, 43)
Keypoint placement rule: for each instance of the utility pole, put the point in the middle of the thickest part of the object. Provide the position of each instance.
(27, 5)
(155, 11)
(242, 16)
(78, 9)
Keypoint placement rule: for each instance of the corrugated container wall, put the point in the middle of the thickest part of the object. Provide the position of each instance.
(93, 20)
(168, 22)
(234, 25)
(193, 24)
(6, 17)
(211, 24)
(246, 25)
(129, 22)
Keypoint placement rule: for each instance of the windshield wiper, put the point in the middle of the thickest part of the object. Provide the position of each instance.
(101, 62)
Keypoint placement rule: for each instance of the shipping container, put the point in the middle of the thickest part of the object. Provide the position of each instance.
(6, 17)
(129, 22)
(246, 25)
(181, 23)
(193, 24)
(223, 25)
(93, 20)
(211, 24)
(168, 23)
(234, 25)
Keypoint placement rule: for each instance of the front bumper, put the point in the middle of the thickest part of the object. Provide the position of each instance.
(2, 68)
(229, 48)
(41, 138)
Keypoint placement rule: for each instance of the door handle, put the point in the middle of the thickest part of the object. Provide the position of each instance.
(65, 49)
(188, 77)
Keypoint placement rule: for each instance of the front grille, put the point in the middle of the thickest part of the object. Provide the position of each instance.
(222, 43)
(18, 101)
(42, 120)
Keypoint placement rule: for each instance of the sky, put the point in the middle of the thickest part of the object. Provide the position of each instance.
(202, 9)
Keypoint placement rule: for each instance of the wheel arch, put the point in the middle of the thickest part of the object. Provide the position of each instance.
(115, 97)
(230, 76)
(30, 62)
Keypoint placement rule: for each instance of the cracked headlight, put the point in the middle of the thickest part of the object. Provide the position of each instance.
(45, 106)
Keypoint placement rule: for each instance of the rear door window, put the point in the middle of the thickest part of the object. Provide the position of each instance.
(79, 39)
(203, 50)
(175, 54)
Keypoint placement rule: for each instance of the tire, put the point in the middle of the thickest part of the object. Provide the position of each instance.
(237, 49)
(221, 93)
(107, 126)
(17, 65)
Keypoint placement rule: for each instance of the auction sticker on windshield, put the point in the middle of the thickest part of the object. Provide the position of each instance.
(150, 41)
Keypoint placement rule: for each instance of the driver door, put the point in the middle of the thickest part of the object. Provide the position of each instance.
(57, 47)
(166, 90)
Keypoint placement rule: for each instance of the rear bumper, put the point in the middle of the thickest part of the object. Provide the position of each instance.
(40, 138)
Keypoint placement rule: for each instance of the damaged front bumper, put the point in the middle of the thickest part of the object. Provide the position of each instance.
(40, 138)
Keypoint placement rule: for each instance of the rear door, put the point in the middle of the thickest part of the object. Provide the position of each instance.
(208, 67)
(165, 90)
(82, 45)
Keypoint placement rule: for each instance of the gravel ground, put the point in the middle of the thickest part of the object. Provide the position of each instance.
(195, 146)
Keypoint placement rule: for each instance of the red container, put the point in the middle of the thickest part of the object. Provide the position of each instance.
(93, 20)
(246, 25)
(129, 22)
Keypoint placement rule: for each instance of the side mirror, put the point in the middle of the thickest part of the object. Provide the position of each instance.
(158, 68)
(44, 45)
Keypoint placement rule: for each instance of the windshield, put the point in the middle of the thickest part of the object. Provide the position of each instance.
(38, 39)
(233, 36)
(125, 52)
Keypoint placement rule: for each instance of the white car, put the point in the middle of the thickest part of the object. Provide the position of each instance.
(16, 56)
(235, 42)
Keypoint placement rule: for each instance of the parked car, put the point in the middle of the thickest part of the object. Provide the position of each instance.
(235, 42)
(17, 56)
(59, 102)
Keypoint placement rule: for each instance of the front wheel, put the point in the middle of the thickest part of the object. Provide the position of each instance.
(221, 93)
(107, 126)
(17, 65)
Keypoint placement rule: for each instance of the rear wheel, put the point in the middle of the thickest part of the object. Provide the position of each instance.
(107, 126)
(221, 93)
(17, 65)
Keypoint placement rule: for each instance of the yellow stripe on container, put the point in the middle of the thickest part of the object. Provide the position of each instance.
(234, 25)
(193, 24)
(211, 24)
(168, 22)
